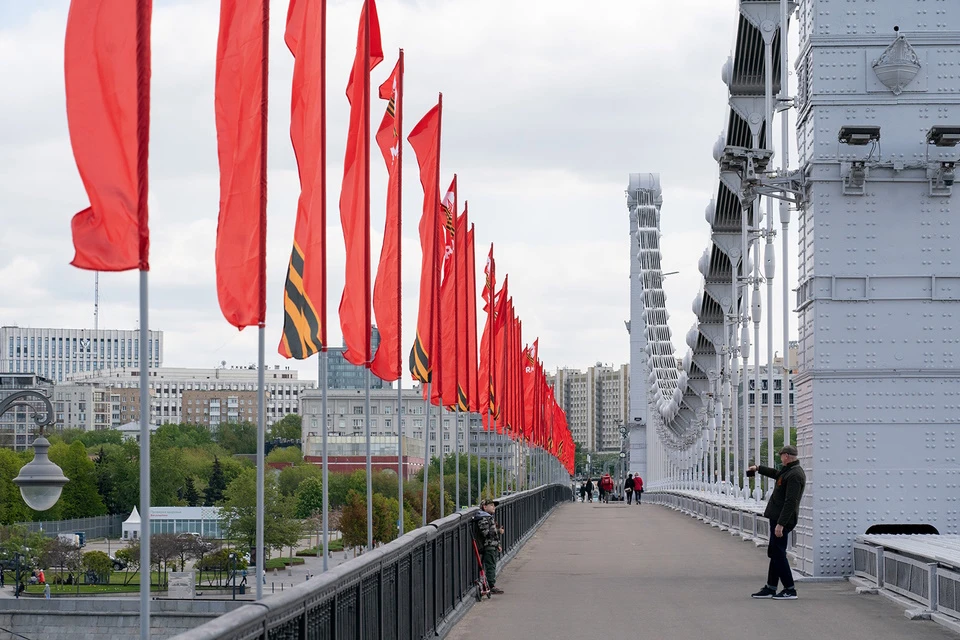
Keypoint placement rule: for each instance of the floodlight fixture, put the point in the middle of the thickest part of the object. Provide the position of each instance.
(944, 136)
(859, 135)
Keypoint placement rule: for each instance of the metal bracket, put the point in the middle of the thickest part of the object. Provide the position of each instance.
(23, 397)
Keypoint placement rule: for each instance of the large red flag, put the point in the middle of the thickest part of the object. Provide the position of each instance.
(355, 322)
(445, 390)
(487, 390)
(425, 140)
(107, 81)
(530, 388)
(470, 327)
(305, 291)
(240, 97)
(448, 214)
(388, 361)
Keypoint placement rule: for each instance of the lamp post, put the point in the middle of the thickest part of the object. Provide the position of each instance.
(40, 480)
(233, 573)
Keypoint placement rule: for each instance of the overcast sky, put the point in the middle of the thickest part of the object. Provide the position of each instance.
(548, 106)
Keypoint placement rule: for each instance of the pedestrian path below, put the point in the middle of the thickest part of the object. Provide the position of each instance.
(650, 573)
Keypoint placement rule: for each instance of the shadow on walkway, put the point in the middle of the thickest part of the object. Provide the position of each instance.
(650, 573)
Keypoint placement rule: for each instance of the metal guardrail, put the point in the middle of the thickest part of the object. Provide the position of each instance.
(92, 527)
(407, 589)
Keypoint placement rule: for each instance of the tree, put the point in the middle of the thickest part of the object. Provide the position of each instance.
(215, 488)
(130, 556)
(237, 437)
(353, 521)
(182, 436)
(291, 455)
(80, 498)
(164, 547)
(291, 477)
(190, 494)
(100, 564)
(12, 507)
(240, 510)
(777, 445)
(289, 427)
(118, 476)
(309, 497)
(166, 476)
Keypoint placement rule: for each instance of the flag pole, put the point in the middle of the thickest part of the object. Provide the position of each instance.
(426, 454)
(369, 468)
(456, 452)
(366, 266)
(261, 395)
(440, 411)
(398, 110)
(323, 427)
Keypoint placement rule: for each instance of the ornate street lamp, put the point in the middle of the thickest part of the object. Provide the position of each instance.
(40, 480)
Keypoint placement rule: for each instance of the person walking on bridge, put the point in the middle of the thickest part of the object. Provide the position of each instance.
(783, 509)
(589, 490)
(490, 533)
(628, 488)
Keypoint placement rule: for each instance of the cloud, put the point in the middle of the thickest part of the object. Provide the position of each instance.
(547, 109)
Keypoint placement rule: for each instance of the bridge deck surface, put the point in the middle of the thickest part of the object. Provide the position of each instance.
(648, 573)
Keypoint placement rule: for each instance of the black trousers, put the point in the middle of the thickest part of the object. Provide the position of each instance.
(779, 570)
(490, 557)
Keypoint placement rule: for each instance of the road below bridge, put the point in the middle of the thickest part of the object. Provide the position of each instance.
(649, 573)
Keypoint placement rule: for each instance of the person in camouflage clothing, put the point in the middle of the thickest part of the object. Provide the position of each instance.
(489, 539)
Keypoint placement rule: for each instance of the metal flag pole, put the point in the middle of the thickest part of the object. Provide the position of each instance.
(441, 410)
(369, 468)
(261, 443)
(323, 453)
(144, 463)
(426, 454)
(479, 482)
(466, 435)
(456, 452)
(400, 454)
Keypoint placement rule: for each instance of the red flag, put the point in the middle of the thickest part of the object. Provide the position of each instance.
(241, 110)
(305, 291)
(425, 140)
(355, 322)
(447, 390)
(530, 388)
(448, 213)
(107, 81)
(487, 390)
(470, 295)
(388, 361)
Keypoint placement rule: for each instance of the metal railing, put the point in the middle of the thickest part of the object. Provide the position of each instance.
(407, 589)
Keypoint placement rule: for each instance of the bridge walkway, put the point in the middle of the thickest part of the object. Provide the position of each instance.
(649, 573)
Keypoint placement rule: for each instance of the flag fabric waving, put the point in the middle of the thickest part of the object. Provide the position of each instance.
(107, 82)
(388, 361)
(305, 291)
(425, 140)
(487, 370)
(241, 104)
(470, 325)
(355, 312)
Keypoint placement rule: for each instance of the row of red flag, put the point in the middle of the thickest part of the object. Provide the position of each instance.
(107, 69)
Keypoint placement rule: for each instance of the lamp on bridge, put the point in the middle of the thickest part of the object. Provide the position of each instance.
(40, 480)
(855, 175)
(942, 173)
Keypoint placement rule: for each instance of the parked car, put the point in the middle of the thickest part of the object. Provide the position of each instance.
(118, 564)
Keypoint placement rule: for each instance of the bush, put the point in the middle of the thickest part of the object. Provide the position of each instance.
(99, 564)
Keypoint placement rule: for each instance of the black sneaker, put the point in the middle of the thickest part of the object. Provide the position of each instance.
(786, 594)
(766, 592)
(496, 590)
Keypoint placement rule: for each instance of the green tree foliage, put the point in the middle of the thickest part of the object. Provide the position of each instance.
(190, 494)
(353, 522)
(90, 439)
(291, 477)
(12, 507)
(80, 498)
(237, 437)
(216, 486)
(292, 455)
(240, 510)
(309, 497)
(777, 445)
(166, 476)
(118, 476)
(130, 556)
(289, 427)
(98, 563)
(182, 436)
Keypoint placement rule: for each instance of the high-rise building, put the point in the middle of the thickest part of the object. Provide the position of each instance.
(198, 396)
(595, 402)
(345, 375)
(59, 353)
(18, 429)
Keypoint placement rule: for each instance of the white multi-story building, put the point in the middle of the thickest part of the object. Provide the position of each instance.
(201, 396)
(595, 402)
(82, 406)
(346, 417)
(60, 353)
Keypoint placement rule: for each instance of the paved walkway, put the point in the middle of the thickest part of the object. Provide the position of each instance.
(650, 573)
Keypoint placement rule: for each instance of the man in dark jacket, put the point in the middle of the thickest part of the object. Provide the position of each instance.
(783, 510)
(489, 533)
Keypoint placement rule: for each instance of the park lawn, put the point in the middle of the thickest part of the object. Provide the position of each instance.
(72, 589)
(335, 545)
(281, 563)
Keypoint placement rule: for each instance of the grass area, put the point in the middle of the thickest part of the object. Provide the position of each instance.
(70, 590)
(281, 563)
(335, 545)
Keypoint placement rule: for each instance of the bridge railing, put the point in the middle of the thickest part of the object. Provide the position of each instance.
(409, 588)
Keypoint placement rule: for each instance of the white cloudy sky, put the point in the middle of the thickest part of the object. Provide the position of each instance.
(548, 106)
